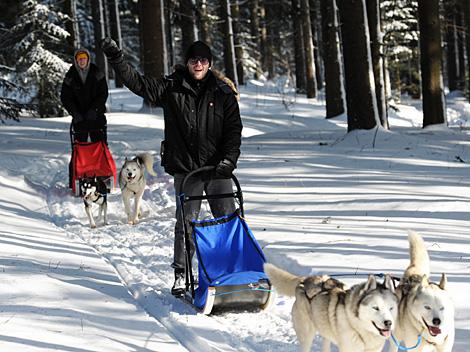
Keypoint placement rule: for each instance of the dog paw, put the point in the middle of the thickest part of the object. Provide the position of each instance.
(93, 226)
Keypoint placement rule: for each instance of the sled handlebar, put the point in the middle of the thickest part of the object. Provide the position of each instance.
(211, 169)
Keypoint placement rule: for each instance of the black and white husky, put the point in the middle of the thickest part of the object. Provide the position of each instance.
(132, 183)
(93, 191)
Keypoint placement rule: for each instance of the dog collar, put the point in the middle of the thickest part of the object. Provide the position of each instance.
(404, 348)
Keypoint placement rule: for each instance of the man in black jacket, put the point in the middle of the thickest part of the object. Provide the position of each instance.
(202, 128)
(84, 93)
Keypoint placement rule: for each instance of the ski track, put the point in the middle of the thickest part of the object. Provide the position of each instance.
(141, 256)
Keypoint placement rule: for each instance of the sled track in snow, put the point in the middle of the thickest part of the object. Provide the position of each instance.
(141, 255)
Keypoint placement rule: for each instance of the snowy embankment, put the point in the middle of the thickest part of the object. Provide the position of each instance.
(317, 200)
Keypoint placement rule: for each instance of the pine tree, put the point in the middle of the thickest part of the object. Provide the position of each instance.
(360, 93)
(434, 110)
(10, 108)
(334, 85)
(400, 42)
(34, 45)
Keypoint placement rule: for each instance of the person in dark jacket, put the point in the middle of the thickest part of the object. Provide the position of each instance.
(202, 128)
(84, 93)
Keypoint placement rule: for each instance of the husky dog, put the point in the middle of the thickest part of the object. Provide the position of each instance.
(425, 311)
(93, 191)
(132, 183)
(358, 319)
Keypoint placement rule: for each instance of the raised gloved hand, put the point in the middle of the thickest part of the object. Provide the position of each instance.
(77, 118)
(110, 48)
(225, 168)
(91, 115)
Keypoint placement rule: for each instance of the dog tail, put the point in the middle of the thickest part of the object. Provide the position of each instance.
(284, 282)
(147, 160)
(419, 257)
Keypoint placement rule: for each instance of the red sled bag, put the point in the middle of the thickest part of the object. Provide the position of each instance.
(92, 159)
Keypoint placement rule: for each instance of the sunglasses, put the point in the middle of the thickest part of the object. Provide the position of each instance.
(195, 60)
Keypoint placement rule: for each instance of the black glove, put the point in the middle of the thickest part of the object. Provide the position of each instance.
(225, 168)
(91, 115)
(110, 48)
(77, 118)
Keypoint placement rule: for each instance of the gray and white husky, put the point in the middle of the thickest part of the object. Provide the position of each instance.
(426, 310)
(132, 183)
(359, 319)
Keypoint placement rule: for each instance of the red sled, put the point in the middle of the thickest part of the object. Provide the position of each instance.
(92, 159)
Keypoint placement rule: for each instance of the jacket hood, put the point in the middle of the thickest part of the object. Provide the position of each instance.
(81, 50)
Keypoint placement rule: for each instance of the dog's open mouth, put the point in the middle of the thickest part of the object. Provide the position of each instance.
(130, 178)
(433, 330)
(384, 332)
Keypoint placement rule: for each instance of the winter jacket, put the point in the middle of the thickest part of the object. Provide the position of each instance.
(86, 101)
(199, 130)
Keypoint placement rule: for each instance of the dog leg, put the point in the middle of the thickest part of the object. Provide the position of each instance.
(303, 324)
(89, 213)
(104, 208)
(127, 208)
(138, 198)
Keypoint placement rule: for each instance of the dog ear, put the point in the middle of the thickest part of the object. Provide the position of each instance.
(371, 283)
(424, 281)
(443, 282)
(388, 283)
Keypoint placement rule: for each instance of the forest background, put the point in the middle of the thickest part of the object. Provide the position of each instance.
(360, 56)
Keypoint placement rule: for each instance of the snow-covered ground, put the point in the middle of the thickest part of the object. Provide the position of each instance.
(317, 199)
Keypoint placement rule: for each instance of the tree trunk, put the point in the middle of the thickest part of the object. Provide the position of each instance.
(188, 25)
(308, 45)
(334, 90)
(153, 39)
(466, 11)
(300, 76)
(237, 42)
(99, 33)
(431, 70)
(115, 26)
(255, 26)
(168, 14)
(229, 47)
(316, 31)
(451, 54)
(72, 26)
(203, 22)
(360, 84)
(461, 72)
(270, 33)
(375, 32)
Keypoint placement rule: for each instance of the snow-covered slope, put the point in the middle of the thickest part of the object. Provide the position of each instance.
(317, 200)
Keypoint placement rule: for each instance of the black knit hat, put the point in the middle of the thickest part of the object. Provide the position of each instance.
(198, 48)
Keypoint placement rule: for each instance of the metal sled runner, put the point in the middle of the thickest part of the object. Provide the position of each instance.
(230, 261)
(91, 159)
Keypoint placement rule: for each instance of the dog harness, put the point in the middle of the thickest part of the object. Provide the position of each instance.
(99, 196)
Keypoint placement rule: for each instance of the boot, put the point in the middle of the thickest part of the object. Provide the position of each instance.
(179, 286)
